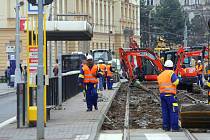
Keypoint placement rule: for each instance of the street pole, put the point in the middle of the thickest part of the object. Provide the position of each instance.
(40, 74)
(185, 35)
(139, 23)
(109, 27)
(60, 75)
(17, 48)
(149, 29)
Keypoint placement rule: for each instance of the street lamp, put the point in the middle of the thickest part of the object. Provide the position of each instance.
(17, 48)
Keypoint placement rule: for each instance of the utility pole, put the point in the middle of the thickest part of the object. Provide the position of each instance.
(40, 74)
(139, 23)
(109, 26)
(185, 35)
(17, 48)
(60, 75)
(149, 29)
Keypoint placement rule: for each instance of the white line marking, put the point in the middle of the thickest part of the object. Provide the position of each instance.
(157, 136)
(110, 136)
(82, 137)
(11, 120)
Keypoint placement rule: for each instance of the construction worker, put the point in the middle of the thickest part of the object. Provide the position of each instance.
(109, 75)
(199, 69)
(102, 69)
(168, 81)
(208, 85)
(88, 81)
(82, 89)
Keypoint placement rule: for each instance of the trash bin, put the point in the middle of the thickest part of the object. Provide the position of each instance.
(12, 80)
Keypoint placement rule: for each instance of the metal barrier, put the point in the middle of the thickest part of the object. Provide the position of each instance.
(69, 87)
(21, 104)
(3, 79)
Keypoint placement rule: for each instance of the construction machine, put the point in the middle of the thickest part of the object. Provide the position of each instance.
(140, 63)
(101, 54)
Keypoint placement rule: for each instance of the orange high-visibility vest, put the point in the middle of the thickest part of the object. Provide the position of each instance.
(165, 84)
(90, 74)
(108, 68)
(199, 69)
(102, 67)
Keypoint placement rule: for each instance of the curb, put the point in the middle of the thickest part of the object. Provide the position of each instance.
(6, 93)
(98, 128)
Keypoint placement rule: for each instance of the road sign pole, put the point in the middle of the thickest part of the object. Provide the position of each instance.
(40, 85)
(17, 70)
(60, 75)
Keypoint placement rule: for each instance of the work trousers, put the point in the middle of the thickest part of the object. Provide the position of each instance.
(91, 95)
(101, 83)
(170, 111)
(109, 82)
(200, 80)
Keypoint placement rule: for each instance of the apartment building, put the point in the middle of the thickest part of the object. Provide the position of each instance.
(108, 17)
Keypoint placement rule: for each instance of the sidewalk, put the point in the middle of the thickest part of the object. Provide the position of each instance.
(4, 89)
(72, 123)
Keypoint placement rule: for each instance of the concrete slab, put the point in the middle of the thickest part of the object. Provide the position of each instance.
(151, 134)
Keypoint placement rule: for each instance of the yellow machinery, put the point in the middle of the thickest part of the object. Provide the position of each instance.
(32, 68)
(161, 46)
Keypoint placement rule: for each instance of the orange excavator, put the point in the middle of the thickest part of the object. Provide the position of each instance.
(185, 67)
(140, 63)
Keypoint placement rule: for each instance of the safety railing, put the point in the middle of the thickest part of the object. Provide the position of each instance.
(3, 79)
(69, 87)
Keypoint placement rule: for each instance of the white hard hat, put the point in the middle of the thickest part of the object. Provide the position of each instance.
(199, 61)
(168, 64)
(110, 62)
(89, 57)
(100, 61)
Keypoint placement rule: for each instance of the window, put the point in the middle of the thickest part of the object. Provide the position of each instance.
(151, 2)
(96, 11)
(93, 47)
(105, 13)
(147, 2)
(101, 12)
(87, 7)
(82, 7)
(101, 45)
(92, 12)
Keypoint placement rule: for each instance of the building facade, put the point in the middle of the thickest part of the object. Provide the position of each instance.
(108, 17)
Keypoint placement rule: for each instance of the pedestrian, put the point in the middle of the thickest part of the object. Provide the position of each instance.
(199, 69)
(168, 81)
(7, 75)
(109, 75)
(88, 81)
(102, 69)
(25, 74)
(55, 69)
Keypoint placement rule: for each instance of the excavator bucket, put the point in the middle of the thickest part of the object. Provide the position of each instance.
(195, 116)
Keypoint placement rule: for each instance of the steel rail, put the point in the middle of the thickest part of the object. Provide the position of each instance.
(126, 131)
(189, 135)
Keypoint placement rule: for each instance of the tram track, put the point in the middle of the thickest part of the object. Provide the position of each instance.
(138, 106)
(189, 135)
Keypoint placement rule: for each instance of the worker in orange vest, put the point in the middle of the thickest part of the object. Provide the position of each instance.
(168, 81)
(199, 69)
(109, 75)
(88, 81)
(102, 69)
